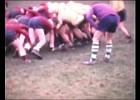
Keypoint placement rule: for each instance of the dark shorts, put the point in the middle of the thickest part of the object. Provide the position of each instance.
(24, 20)
(13, 14)
(35, 23)
(108, 24)
(122, 15)
(10, 36)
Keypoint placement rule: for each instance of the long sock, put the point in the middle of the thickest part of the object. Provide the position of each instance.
(94, 51)
(27, 46)
(108, 50)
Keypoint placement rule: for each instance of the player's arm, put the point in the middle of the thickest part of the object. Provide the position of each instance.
(89, 18)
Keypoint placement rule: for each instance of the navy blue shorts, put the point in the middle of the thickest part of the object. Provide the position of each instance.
(24, 20)
(10, 36)
(35, 23)
(13, 14)
(122, 15)
(108, 24)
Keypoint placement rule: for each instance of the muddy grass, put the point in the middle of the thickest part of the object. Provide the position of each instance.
(60, 75)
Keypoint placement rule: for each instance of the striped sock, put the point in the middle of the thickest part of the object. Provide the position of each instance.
(94, 50)
(108, 50)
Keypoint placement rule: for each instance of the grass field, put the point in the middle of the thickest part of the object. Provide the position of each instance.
(61, 75)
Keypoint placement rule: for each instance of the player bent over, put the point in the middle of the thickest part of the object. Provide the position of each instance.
(108, 22)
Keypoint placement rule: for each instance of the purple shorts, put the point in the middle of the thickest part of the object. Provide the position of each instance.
(24, 19)
(10, 36)
(35, 23)
(13, 14)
